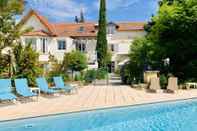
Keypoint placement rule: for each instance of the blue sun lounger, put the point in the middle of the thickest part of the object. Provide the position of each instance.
(59, 83)
(23, 89)
(5, 90)
(43, 85)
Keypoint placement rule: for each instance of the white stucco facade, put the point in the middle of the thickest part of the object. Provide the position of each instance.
(119, 43)
(35, 24)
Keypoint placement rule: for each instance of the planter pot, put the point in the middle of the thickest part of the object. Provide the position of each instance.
(150, 74)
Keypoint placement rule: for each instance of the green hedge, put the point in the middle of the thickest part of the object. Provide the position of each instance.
(92, 75)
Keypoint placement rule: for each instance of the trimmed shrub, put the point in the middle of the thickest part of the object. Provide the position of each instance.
(74, 61)
(101, 74)
(130, 73)
(163, 81)
(27, 63)
(78, 77)
(90, 76)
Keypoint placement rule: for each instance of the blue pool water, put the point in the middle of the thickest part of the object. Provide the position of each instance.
(172, 116)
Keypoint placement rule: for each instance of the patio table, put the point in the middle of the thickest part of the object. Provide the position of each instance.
(35, 90)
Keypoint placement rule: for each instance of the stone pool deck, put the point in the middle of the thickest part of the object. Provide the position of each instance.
(87, 98)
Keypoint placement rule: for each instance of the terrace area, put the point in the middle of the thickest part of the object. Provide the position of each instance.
(88, 98)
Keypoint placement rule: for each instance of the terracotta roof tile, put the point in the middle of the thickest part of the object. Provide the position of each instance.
(74, 29)
(130, 26)
(78, 29)
(37, 33)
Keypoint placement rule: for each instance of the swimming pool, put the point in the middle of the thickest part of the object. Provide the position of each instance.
(171, 116)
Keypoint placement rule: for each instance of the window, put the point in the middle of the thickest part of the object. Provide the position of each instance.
(80, 46)
(111, 29)
(81, 29)
(61, 45)
(43, 45)
(31, 41)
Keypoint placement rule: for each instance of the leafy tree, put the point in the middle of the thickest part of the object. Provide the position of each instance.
(174, 35)
(101, 46)
(74, 61)
(149, 25)
(171, 34)
(9, 30)
(27, 63)
(11, 6)
(140, 59)
(139, 53)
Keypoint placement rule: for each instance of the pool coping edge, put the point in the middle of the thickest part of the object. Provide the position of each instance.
(97, 109)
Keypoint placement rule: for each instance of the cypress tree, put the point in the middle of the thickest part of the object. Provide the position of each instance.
(101, 46)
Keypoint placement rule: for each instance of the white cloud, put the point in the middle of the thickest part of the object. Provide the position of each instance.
(65, 10)
(60, 8)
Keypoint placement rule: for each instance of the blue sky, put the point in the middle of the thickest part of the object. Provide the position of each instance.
(117, 10)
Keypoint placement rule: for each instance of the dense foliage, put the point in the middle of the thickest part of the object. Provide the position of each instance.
(141, 54)
(74, 61)
(171, 34)
(174, 34)
(56, 69)
(101, 73)
(92, 75)
(163, 81)
(27, 63)
(11, 6)
(125, 74)
(9, 33)
(102, 37)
